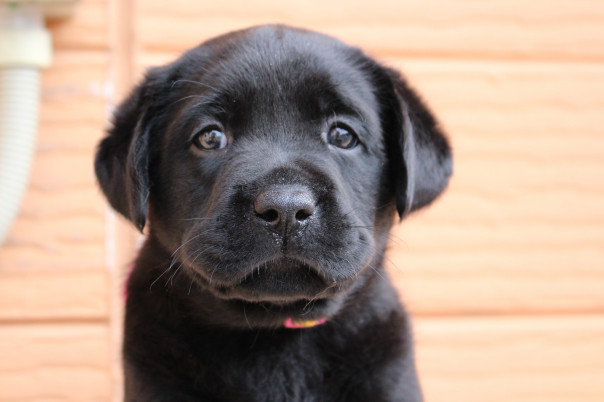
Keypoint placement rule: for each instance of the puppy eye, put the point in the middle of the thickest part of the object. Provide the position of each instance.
(342, 138)
(209, 139)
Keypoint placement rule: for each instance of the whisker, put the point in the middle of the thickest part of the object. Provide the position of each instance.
(315, 298)
(201, 84)
(170, 280)
(187, 97)
(348, 213)
(360, 227)
(245, 315)
(312, 305)
(255, 339)
(212, 275)
(383, 206)
(159, 277)
(392, 263)
(398, 240)
(188, 241)
(376, 271)
(162, 274)
(175, 259)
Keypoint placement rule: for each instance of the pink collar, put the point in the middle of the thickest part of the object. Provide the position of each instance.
(290, 323)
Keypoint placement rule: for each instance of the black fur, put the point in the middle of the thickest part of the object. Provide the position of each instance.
(218, 276)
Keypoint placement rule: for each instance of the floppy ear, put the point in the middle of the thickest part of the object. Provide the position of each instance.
(419, 152)
(122, 159)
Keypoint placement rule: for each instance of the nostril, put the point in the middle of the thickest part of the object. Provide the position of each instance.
(271, 216)
(303, 214)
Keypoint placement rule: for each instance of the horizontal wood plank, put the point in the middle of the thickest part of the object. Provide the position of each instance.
(28, 295)
(86, 29)
(530, 359)
(77, 200)
(500, 101)
(63, 171)
(476, 283)
(43, 363)
(497, 29)
(73, 242)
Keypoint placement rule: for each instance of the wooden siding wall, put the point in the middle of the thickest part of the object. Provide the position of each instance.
(504, 275)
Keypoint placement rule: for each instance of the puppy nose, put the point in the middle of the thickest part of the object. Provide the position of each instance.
(285, 207)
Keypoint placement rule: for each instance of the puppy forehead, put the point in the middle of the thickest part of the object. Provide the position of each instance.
(278, 67)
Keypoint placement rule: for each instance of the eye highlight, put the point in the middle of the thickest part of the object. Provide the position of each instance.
(209, 139)
(342, 137)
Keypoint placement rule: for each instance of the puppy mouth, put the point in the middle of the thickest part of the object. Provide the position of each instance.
(280, 282)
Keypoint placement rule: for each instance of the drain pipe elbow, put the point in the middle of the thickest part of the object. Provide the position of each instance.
(25, 48)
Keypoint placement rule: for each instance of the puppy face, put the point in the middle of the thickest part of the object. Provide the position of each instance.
(269, 163)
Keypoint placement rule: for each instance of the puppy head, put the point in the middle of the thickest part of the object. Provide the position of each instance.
(269, 162)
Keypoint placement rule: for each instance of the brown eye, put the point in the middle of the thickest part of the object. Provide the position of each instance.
(210, 139)
(342, 138)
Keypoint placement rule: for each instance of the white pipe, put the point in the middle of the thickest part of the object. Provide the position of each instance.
(19, 98)
(25, 47)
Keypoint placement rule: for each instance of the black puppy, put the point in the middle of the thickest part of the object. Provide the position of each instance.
(269, 164)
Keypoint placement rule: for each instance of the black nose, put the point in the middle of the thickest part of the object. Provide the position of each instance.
(285, 207)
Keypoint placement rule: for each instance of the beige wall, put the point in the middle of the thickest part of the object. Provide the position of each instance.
(504, 275)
